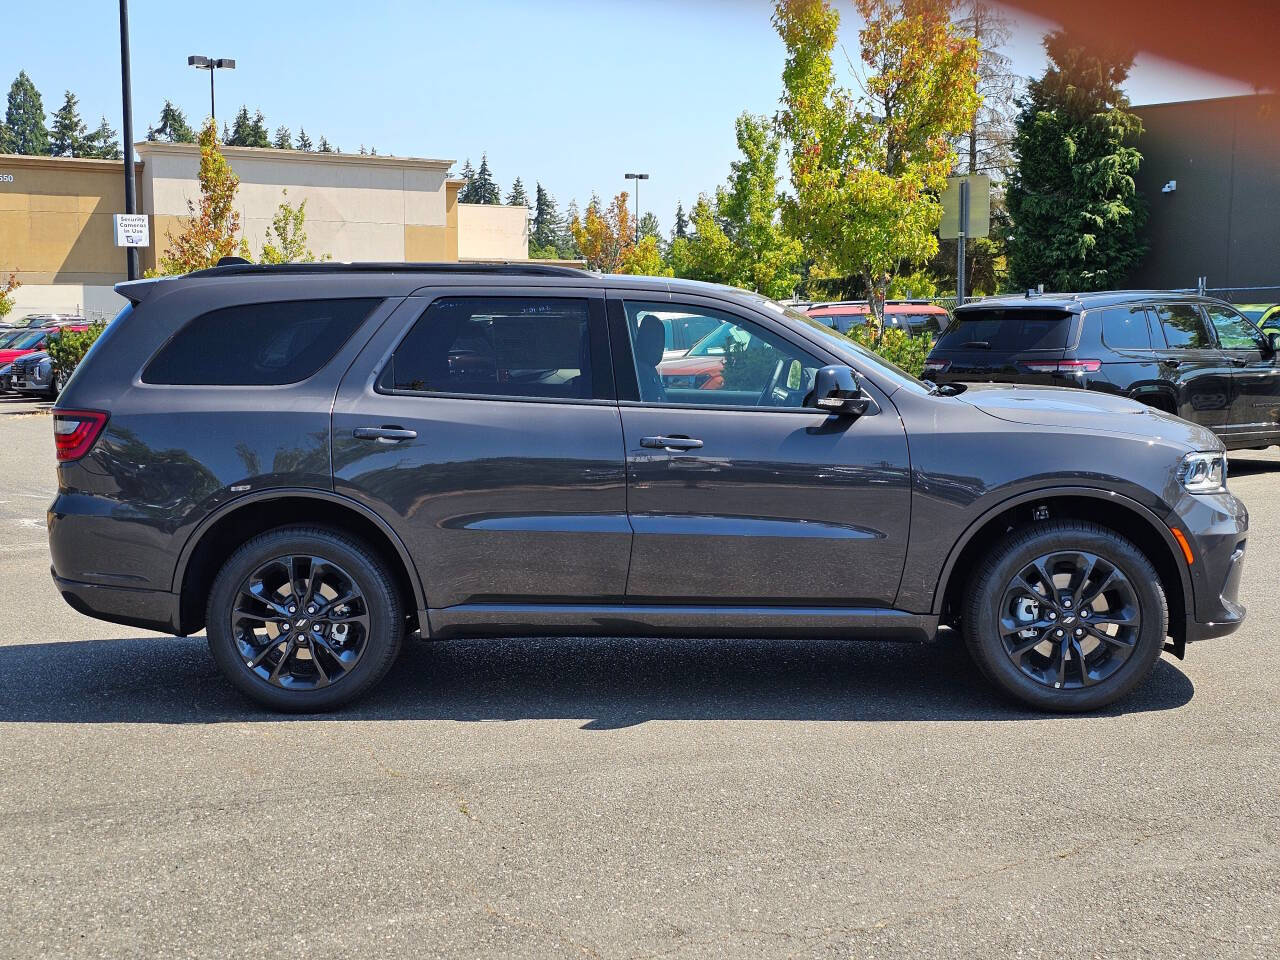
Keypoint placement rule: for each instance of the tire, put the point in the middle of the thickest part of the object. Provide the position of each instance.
(1071, 674)
(256, 613)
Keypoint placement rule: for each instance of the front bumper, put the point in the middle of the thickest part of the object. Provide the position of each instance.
(1216, 527)
(148, 609)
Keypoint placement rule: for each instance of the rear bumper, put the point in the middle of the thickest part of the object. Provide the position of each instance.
(148, 609)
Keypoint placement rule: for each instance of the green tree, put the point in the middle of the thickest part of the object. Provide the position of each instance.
(546, 222)
(1077, 216)
(517, 197)
(304, 142)
(867, 167)
(483, 189)
(241, 129)
(68, 133)
(645, 259)
(173, 126)
(24, 130)
(325, 146)
(649, 226)
(284, 138)
(212, 225)
(286, 239)
(468, 175)
(739, 239)
(681, 226)
(258, 135)
(6, 295)
(103, 143)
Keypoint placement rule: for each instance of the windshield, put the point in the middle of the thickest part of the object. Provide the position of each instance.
(890, 371)
(1007, 330)
(1253, 311)
(29, 339)
(715, 342)
(8, 336)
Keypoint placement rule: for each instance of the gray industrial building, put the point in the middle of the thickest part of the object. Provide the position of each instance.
(1211, 176)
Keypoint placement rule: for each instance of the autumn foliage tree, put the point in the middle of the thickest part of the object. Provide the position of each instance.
(605, 237)
(212, 230)
(6, 295)
(867, 166)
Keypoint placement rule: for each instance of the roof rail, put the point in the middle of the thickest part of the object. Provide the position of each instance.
(235, 267)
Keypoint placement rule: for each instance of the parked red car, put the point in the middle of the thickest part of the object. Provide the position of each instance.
(917, 317)
(33, 340)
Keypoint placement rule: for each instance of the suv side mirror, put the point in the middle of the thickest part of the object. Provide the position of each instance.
(836, 391)
(1273, 338)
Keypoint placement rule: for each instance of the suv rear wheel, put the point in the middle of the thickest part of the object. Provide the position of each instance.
(304, 619)
(1066, 616)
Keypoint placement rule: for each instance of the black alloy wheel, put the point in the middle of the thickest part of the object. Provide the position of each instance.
(300, 622)
(304, 619)
(1066, 615)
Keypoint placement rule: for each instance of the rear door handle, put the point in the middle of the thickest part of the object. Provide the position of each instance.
(671, 443)
(1173, 363)
(384, 434)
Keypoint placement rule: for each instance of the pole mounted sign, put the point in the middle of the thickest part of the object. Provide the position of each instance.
(966, 212)
(132, 230)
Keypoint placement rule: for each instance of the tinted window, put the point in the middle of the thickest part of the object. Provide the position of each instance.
(1125, 328)
(498, 346)
(1234, 331)
(844, 322)
(738, 364)
(1184, 326)
(1007, 330)
(258, 344)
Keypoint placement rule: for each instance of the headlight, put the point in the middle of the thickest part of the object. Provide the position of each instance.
(1204, 472)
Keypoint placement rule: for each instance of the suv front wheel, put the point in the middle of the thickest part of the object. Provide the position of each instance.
(1066, 616)
(304, 619)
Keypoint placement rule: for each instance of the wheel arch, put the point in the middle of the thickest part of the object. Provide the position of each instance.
(219, 534)
(1158, 394)
(1115, 511)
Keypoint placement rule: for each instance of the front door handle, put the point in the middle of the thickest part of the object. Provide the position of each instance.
(386, 434)
(1173, 363)
(1239, 362)
(671, 443)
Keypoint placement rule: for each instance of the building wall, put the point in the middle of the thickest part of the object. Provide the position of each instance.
(1223, 220)
(358, 208)
(492, 232)
(56, 220)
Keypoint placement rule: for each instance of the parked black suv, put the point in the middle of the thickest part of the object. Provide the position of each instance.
(1196, 357)
(310, 462)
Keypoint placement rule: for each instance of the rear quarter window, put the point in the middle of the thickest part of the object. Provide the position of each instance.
(258, 344)
(1124, 328)
(1008, 330)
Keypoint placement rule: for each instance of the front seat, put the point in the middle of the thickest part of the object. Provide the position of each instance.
(651, 339)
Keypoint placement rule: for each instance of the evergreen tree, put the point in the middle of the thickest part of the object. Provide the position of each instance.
(226, 135)
(258, 136)
(67, 136)
(649, 226)
(304, 142)
(363, 151)
(546, 221)
(325, 147)
(173, 126)
(102, 144)
(1077, 216)
(517, 197)
(241, 129)
(24, 130)
(284, 138)
(486, 189)
(681, 227)
(566, 242)
(467, 192)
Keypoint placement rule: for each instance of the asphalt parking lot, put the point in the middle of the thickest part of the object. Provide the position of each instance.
(610, 798)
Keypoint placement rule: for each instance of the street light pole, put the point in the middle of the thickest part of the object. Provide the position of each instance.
(211, 64)
(126, 94)
(637, 177)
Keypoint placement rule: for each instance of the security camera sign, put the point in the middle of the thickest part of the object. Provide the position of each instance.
(132, 230)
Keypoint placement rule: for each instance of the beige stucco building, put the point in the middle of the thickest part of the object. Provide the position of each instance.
(56, 231)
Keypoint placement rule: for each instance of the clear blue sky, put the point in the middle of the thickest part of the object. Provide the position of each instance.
(570, 92)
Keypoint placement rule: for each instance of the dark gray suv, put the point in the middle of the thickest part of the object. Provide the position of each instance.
(311, 462)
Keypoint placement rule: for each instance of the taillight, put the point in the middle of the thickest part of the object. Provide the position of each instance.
(74, 432)
(937, 366)
(1065, 366)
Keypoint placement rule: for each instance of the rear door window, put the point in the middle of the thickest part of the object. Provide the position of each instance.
(1125, 328)
(1008, 330)
(258, 344)
(518, 347)
(1184, 326)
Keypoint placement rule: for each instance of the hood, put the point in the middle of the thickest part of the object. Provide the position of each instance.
(8, 356)
(1087, 411)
